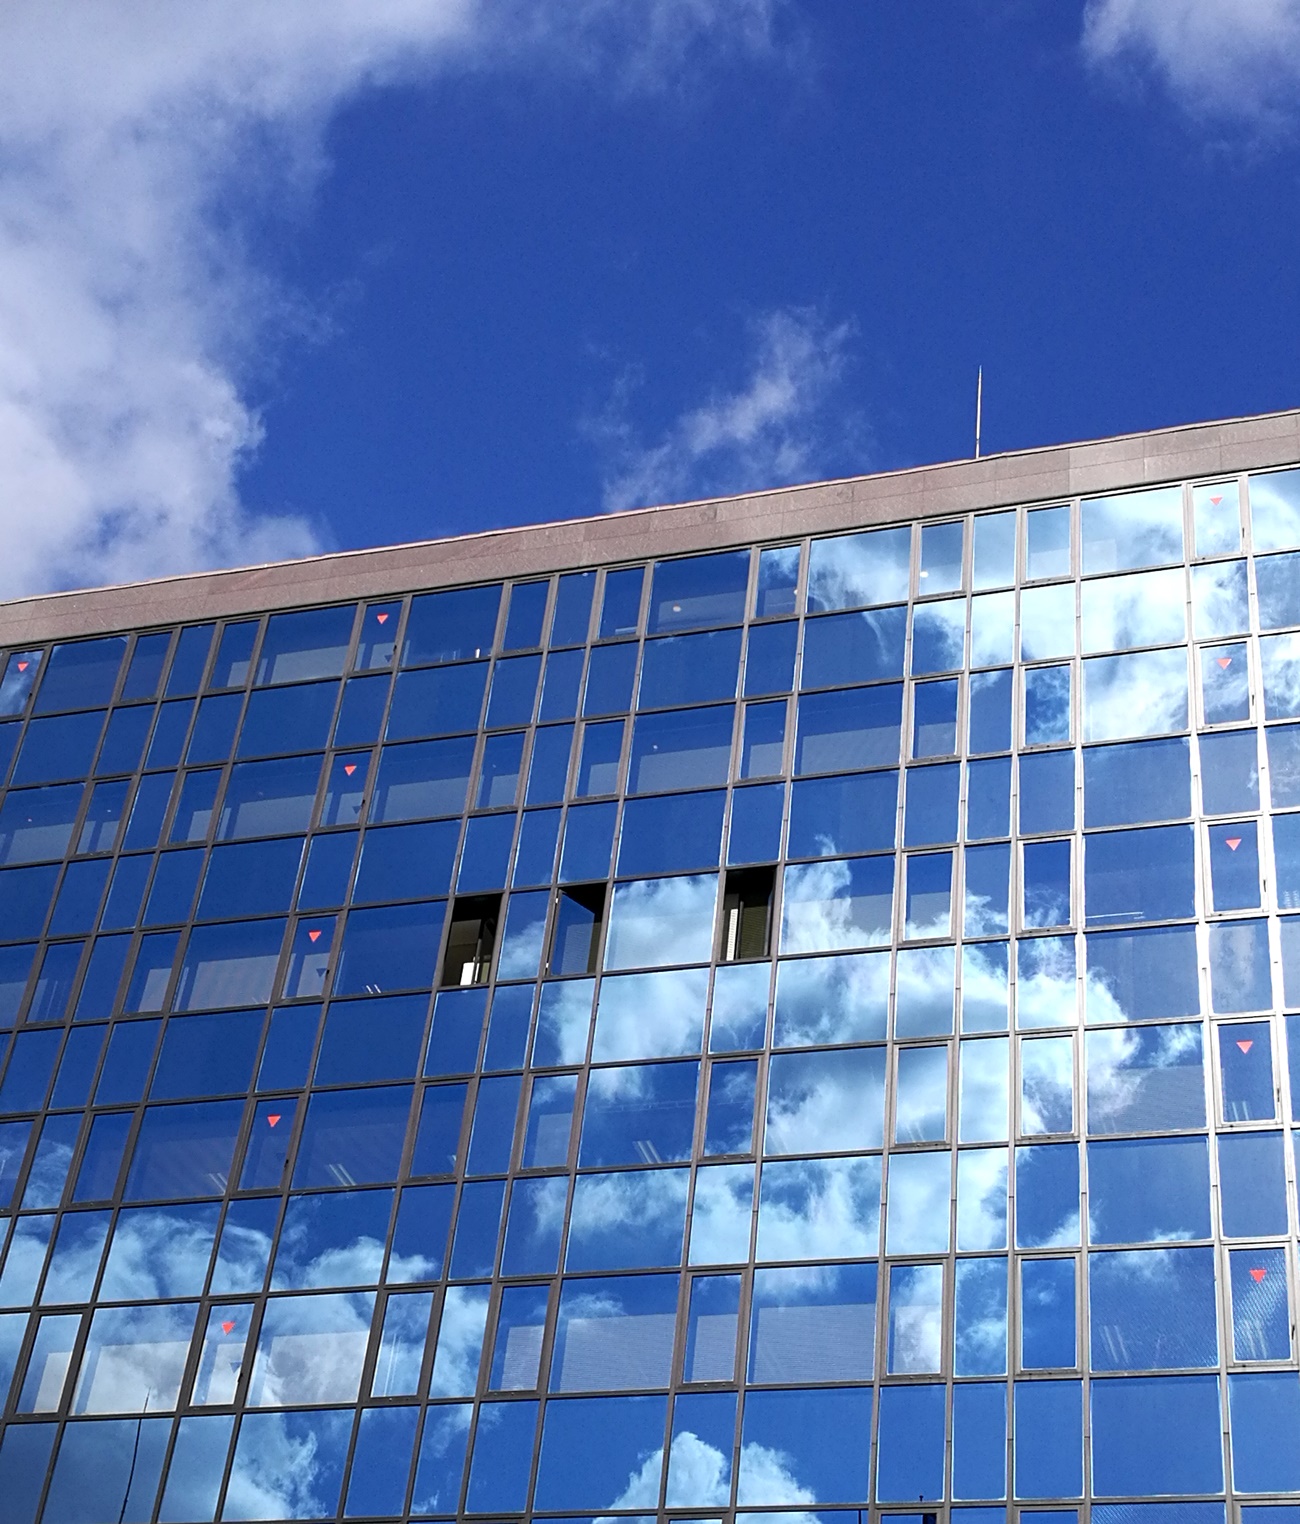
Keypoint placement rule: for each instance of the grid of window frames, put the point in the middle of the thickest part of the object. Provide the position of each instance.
(793, 1034)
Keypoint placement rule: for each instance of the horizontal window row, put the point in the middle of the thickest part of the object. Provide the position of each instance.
(1141, 876)
(1148, 1310)
(1130, 695)
(1117, 534)
(852, 729)
(616, 1453)
(1144, 1190)
(1148, 974)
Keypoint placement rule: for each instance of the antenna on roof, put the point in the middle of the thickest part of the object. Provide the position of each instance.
(979, 409)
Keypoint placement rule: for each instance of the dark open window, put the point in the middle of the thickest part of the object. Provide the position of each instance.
(471, 939)
(747, 913)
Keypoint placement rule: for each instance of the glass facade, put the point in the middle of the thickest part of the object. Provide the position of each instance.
(796, 1033)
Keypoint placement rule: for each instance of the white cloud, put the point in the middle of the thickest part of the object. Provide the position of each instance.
(784, 423)
(135, 137)
(1226, 58)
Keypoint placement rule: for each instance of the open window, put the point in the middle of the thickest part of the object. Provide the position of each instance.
(579, 921)
(471, 940)
(747, 913)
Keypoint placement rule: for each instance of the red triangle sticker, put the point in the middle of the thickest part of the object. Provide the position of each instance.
(1258, 1275)
(227, 1328)
(313, 936)
(1246, 1044)
(382, 618)
(1233, 842)
(349, 768)
(1224, 661)
(1216, 501)
(23, 666)
(272, 1118)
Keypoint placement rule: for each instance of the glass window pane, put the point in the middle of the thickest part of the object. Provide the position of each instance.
(1153, 1309)
(686, 749)
(837, 904)
(1127, 785)
(643, 1114)
(524, 621)
(939, 638)
(513, 693)
(934, 719)
(1048, 543)
(1146, 609)
(79, 675)
(769, 659)
(1230, 772)
(826, 1000)
(778, 580)
(941, 557)
(1046, 1085)
(763, 744)
(1148, 1190)
(1137, 529)
(995, 549)
(1145, 875)
(1216, 507)
(1047, 1314)
(614, 1333)
(921, 1103)
(1127, 1414)
(980, 1312)
(1261, 1320)
(1046, 792)
(517, 1341)
(1046, 881)
(1225, 684)
(855, 570)
(832, 816)
(1046, 622)
(1240, 978)
(628, 1220)
(311, 1349)
(982, 1100)
(654, 922)
(702, 591)
(813, 1327)
(451, 626)
(1134, 695)
(849, 729)
(915, 1324)
(825, 1102)
(990, 711)
(572, 617)
(1145, 1081)
(687, 669)
(1219, 600)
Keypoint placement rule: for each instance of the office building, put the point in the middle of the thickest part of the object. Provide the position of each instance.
(768, 1011)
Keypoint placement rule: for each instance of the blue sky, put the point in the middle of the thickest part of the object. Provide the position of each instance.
(323, 275)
